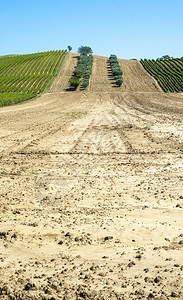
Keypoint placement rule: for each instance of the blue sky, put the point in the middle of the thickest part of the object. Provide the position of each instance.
(129, 29)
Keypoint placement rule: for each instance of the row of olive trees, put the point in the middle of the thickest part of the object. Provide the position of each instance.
(83, 69)
(88, 70)
(116, 69)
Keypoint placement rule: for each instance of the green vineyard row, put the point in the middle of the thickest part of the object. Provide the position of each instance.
(23, 77)
(167, 72)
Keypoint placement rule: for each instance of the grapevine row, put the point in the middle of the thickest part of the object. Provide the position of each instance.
(167, 72)
(27, 75)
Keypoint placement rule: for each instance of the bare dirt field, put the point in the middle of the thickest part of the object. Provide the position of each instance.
(91, 190)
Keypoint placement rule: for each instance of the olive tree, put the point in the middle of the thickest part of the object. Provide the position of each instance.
(85, 49)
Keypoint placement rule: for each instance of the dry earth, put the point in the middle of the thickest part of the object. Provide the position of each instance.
(91, 190)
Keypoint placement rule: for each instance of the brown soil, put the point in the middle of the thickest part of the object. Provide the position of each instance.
(91, 190)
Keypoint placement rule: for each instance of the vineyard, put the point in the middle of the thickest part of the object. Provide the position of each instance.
(23, 77)
(167, 72)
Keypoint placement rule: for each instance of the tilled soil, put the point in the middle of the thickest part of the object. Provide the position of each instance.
(91, 190)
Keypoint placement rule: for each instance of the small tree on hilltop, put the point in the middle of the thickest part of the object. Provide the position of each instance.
(85, 49)
(165, 57)
(69, 48)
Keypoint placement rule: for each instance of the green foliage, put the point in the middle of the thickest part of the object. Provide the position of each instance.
(113, 56)
(117, 76)
(116, 69)
(167, 72)
(85, 49)
(69, 48)
(26, 76)
(119, 81)
(88, 70)
(75, 82)
(85, 83)
(83, 70)
(165, 57)
(14, 98)
(78, 73)
(82, 62)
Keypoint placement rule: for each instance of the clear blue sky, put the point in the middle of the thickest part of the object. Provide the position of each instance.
(129, 29)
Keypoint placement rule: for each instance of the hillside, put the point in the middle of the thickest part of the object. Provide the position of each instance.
(23, 77)
(91, 190)
(135, 77)
(168, 73)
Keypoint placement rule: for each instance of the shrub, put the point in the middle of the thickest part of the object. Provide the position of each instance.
(117, 76)
(113, 60)
(75, 82)
(113, 56)
(119, 81)
(78, 73)
(83, 69)
(88, 72)
(85, 83)
(117, 71)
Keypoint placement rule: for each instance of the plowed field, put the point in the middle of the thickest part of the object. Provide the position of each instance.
(91, 190)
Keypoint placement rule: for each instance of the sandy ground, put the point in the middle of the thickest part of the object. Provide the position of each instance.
(91, 190)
